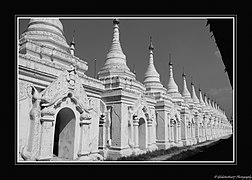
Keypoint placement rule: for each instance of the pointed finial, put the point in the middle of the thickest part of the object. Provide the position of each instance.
(72, 42)
(94, 68)
(134, 71)
(170, 61)
(151, 47)
(183, 74)
(116, 21)
(192, 81)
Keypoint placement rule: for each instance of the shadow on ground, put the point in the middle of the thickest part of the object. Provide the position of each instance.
(221, 150)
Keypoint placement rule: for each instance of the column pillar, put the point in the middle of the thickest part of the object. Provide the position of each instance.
(172, 130)
(46, 140)
(197, 128)
(135, 127)
(176, 131)
(169, 125)
(85, 121)
(149, 124)
(102, 132)
(200, 131)
(204, 128)
(163, 129)
(184, 128)
(179, 132)
(188, 125)
(193, 132)
(108, 126)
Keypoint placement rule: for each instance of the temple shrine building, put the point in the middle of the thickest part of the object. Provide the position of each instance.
(65, 114)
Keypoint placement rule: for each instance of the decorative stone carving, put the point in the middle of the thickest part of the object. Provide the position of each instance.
(85, 118)
(25, 90)
(102, 118)
(30, 152)
(67, 84)
(48, 111)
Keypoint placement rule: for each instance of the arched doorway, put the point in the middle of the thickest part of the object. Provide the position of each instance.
(142, 134)
(64, 134)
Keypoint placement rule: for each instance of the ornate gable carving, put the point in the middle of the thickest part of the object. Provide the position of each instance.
(67, 84)
(141, 105)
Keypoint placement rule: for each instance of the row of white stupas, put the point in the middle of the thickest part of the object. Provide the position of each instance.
(211, 120)
(65, 113)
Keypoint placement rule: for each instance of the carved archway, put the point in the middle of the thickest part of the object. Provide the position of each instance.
(140, 125)
(174, 125)
(64, 134)
(65, 92)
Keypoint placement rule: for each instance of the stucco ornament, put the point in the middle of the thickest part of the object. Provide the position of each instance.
(25, 90)
(68, 84)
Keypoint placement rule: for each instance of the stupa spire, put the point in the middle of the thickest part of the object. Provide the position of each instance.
(194, 96)
(185, 93)
(151, 48)
(209, 103)
(216, 107)
(172, 86)
(205, 98)
(200, 97)
(151, 74)
(116, 57)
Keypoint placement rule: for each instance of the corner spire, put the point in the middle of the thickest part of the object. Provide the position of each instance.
(72, 44)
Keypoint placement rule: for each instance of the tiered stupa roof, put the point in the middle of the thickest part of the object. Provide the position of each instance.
(46, 31)
(151, 76)
(115, 63)
(172, 87)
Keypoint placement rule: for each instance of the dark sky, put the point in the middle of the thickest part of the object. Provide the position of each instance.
(188, 40)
